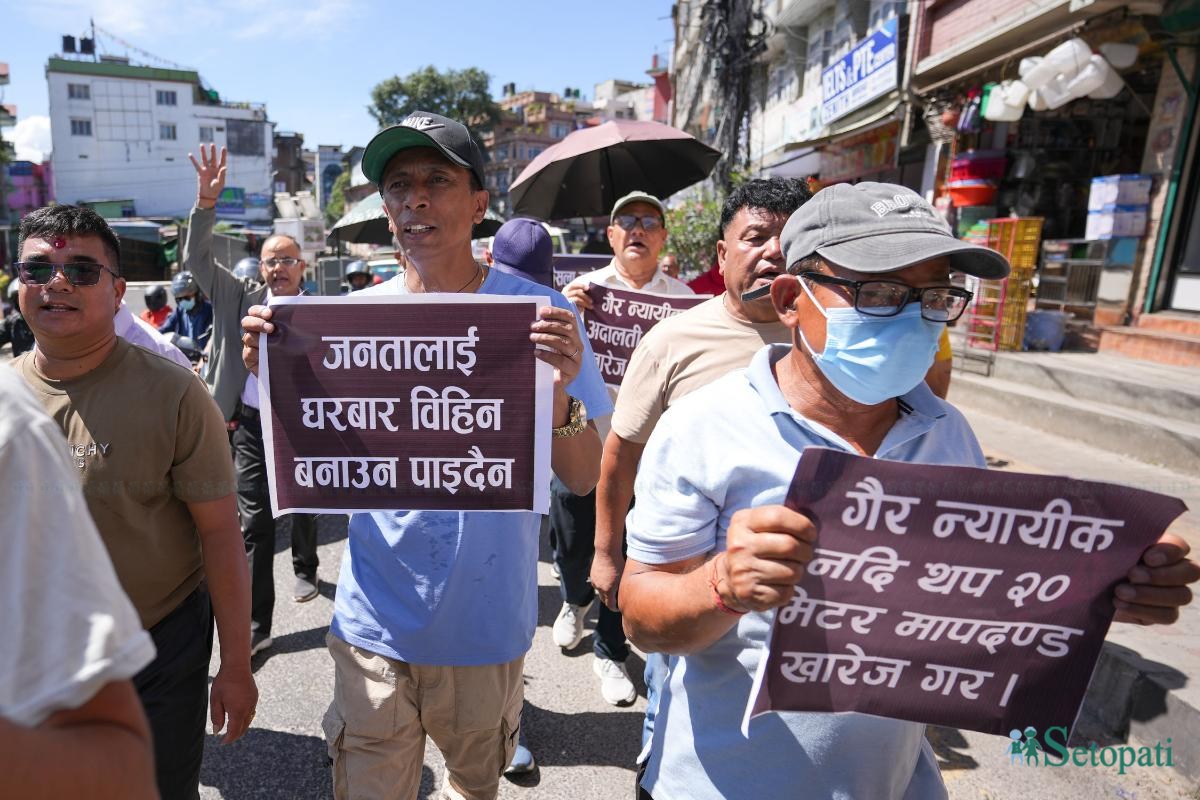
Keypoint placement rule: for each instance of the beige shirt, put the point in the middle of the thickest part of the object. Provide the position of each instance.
(146, 439)
(681, 354)
(660, 282)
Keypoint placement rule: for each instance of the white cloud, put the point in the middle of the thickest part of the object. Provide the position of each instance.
(31, 137)
(301, 20)
(124, 18)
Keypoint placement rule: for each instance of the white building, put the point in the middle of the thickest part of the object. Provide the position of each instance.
(123, 132)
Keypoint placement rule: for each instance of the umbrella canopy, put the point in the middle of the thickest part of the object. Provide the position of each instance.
(585, 173)
(366, 224)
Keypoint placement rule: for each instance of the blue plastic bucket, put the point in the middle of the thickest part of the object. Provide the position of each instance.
(1046, 330)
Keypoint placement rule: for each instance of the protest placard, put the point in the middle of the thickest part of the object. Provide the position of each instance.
(569, 266)
(618, 320)
(405, 402)
(952, 596)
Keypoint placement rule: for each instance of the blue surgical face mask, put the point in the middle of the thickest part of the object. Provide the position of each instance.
(873, 359)
(187, 304)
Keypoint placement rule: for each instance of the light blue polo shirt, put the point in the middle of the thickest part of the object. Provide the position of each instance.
(734, 444)
(450, 588)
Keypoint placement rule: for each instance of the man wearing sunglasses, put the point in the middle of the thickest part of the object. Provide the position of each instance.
(866, 294)
(637, 232)
(156, 476)
(236, 391)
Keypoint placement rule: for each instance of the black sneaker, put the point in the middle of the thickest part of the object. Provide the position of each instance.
(259, 641)
(303, 590)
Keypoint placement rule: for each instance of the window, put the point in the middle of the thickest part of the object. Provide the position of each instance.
(79, 91)
(534, 152)
(166, 132)
(165, 97)
(206, 133)
(81, 127)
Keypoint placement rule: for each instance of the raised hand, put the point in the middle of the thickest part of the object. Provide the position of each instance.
(210, 175)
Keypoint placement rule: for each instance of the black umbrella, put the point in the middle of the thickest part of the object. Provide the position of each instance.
(366, 224)
(587, 172)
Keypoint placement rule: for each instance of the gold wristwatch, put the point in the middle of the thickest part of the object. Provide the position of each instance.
(576, 420)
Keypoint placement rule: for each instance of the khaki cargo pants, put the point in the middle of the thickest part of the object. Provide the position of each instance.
(382, 709)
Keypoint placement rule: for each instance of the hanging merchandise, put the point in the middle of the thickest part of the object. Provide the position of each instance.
(1037, 101)
(1007, 102)
(968, 121)
(1069, 57)
(1090, 78)
(1119, 54)
(1036, 72)
(1112, 85)
(1056, 92)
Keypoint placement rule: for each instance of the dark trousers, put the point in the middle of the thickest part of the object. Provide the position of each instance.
(174, 692)
(258, 526)
(573, 531)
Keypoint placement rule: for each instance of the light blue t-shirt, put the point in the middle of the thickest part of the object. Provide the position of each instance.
(735, 444)
(450, 588)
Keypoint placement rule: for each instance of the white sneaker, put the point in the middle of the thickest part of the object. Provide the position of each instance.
(615, 685)
(568, 628)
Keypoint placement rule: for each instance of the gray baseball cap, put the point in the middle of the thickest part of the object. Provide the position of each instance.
(880, 227)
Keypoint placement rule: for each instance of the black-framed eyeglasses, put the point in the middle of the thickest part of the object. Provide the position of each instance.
(628, 222)
(286, 261)
(79, 273)
(877, 298)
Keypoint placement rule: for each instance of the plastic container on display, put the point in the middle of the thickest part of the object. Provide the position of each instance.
(1119, 190)
(1068, 58)
(995, 320)
(971, 192)
(978, 165)
(1018, 238)
(1090, 78)
(1046, 330)
(1116, 222)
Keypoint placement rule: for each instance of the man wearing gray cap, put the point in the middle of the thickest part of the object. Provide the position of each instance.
(637, 233)
(713, 550)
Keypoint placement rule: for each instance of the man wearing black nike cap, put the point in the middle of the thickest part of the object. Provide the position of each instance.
(435, 610)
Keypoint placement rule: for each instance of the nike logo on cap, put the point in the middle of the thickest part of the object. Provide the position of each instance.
(420, 123)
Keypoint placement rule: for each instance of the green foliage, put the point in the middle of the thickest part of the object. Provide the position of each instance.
(336, 206)
(461, 94)
(693, 229)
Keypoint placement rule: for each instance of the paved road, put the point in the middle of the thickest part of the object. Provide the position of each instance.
(585, 747)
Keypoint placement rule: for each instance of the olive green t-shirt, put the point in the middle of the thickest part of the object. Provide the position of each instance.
(147, 440)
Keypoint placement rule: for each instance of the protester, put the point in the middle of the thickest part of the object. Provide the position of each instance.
(65, 690)
(708, 282)
(14, 329)
(157, 480)
(143, 334)
(248, 269)
(637, 233)
(358, 276)
(193, 314)
(522, 247)
(712, 550)
(432, 641)
(669, 264)
(236, 391)
(683, 353)
(157, 309)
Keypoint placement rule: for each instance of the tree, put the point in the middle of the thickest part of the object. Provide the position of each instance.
(336, 207)
(461, 94)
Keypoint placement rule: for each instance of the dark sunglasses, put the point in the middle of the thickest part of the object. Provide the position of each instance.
(80, 273)
(650, 222)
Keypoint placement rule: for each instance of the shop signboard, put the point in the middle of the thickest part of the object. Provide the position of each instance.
(231, 202)
(865, 73)
(871, 151)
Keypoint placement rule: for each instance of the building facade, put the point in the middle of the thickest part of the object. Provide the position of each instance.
(121, 131)
(289, 169)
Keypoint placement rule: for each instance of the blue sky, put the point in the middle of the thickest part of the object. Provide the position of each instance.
(313, 62)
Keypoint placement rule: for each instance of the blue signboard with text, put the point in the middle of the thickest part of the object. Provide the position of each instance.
(865, 73)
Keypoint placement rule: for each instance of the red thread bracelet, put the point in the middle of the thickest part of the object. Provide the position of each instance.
(712, 581)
